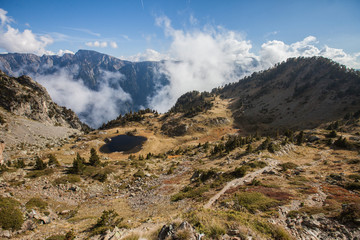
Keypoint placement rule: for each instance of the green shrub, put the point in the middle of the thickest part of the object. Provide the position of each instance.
(53, 160)
(353, 186)
(2, 120)
(183, 234)
(132, 237)
(257, 164)
(254, 201)
(39, 173)
(216, 231)
(20, 163)
(332, 134)
(354, 176)
(39, 164)
(139, 174)
(56, 237)
(342, 143)
(350, 214)
(101, 177)
(10, 215)
(36, 202)
(78, 165)
(71, 178)
(287, 165)
(107, 221)
(239, 172)
(94, 159)
(189, 192)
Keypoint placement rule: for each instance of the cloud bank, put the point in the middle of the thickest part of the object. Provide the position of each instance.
(102, 44)
(93, 107)
(13, 40)
(213, 56)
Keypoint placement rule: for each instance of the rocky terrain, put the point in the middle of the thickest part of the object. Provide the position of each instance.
(203, 172)
(30, 120)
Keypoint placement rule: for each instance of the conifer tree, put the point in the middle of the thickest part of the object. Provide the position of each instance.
(39, 164)
(78, 165)
(94, 159)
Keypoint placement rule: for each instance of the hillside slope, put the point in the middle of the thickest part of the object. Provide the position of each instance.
(24, 97)
(299, 93)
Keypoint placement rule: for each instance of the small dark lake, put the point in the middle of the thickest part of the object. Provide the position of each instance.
(124, 143)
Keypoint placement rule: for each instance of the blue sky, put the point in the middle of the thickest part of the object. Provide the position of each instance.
(127, 28)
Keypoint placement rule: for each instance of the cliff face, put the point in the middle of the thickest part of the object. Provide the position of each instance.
(23, 96)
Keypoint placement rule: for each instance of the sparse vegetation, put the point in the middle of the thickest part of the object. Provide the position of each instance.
(53, 160)
(94, 159)
(36, 202)
(39, 164)
(11, 218)
(107, 221)
(253, 201)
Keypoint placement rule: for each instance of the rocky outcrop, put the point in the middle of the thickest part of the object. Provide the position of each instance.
(25, 97)
(182, 231)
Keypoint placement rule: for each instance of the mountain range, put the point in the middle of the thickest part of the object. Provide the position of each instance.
(130, 84)
(272, 156)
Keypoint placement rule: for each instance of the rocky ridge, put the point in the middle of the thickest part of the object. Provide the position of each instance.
(23, 96)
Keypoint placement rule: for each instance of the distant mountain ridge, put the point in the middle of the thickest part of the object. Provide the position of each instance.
(139, 79)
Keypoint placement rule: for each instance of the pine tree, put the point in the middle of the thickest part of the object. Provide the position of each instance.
(78, 165)
(300, 138)
(249, 148)
(94, 159)
(39, 164)
(53, 160)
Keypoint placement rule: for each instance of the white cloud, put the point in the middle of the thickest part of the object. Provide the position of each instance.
(93, 107)
(101, 44)
(276, 51)
(205, 59)
(97, 44)
(62, 52)
(13, 40)
(148, 55)
(113, 45)
(213, 56)
(3, 18)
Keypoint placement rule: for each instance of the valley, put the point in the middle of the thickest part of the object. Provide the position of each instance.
(215, 166)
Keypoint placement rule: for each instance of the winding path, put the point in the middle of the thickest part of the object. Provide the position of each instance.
(240, 181)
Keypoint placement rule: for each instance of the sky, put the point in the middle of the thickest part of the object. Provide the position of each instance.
(146, 30)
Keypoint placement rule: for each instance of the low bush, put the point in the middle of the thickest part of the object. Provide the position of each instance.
(254, 201)
(132, 237)
(189, 192)
(353, 186)
(36, 202)
(139, 174)
(107, 221)
(287, 165)
(239, 172)
(71, 178)
(39, 173)
(354, 177)
(350, 214)
(11, 218)
(56, 237)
